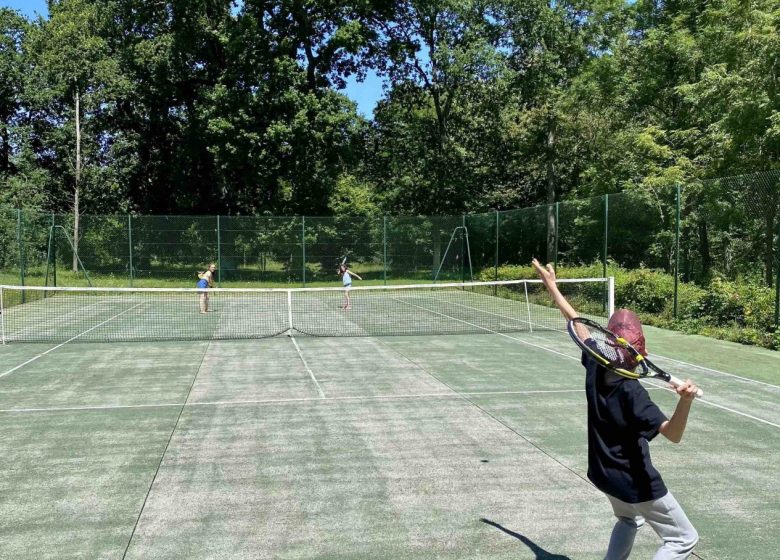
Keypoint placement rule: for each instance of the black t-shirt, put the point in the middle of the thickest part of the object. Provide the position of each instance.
(621, 421)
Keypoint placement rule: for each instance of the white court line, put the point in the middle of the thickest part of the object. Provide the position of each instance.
(89, 407)
(703, 400)
(756, 418)
(530, 323)
(705, 368)
(69, 340)
(490, 330)
(449, 395)
(306, 365)
(292, 400)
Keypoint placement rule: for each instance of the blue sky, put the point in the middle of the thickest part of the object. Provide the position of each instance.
(365, 94)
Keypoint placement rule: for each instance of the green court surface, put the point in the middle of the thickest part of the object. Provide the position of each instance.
(424, 447)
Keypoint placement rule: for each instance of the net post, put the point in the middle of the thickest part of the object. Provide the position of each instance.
(219, 253)
(676, 250)
(610, 296)
(384, 249)
(130, 245)
(528, 307)
(303, 248)
(289, 313)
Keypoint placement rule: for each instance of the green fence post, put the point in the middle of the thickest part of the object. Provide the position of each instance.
(463, 249)
(53, 242)
(777, 279)
(384, 249)
(48, 259)
(303, 247)
(606, 248)
(130, 245)
(676, 249)
(606, 234)
(21, 250)
(20, 242)
(557, 231)
(495, 263)
(219, 253)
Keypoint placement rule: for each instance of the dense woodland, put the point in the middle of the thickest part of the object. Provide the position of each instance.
(216, 106)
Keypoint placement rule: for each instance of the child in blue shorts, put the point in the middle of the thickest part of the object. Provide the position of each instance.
(205, 281)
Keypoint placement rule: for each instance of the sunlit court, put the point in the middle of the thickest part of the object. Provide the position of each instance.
(421, 444)
(389, 280)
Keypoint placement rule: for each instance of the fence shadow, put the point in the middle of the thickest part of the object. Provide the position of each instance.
(541, 554)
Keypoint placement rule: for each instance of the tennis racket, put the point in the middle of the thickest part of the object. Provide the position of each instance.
(616, 353)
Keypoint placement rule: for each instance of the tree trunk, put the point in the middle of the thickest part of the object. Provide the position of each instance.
(550, 172)
(704, 249)
(770, 221)
(78, 187)
(5, 149)
(436, 252)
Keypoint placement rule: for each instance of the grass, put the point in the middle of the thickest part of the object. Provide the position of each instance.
(179, 276)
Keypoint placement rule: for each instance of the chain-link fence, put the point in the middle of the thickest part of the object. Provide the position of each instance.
(726, 228)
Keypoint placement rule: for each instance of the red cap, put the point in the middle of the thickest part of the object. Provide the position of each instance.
(626, 324)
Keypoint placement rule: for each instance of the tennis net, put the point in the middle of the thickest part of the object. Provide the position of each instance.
(47, 314)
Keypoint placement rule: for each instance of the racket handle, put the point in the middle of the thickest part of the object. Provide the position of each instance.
(677, 382)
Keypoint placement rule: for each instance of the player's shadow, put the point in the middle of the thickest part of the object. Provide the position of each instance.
(541, 554)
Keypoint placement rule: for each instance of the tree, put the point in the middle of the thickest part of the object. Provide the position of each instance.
(72, 79)
(550, 44)
(435, 54)
(12, 66)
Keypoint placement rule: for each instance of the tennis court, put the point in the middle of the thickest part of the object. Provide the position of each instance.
(470, 444)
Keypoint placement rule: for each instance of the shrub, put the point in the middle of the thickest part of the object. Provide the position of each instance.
(741, 310)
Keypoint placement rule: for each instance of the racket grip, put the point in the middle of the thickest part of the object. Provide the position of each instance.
(677, 382)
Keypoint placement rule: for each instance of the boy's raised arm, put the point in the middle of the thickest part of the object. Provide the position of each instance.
(547, 275)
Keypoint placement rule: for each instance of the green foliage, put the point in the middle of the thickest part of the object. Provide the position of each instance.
(353, 197)
(204, 107)
(218, 107)
(740, 311)
(742, 304)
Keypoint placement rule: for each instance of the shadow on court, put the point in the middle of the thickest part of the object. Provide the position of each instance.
(541, 554)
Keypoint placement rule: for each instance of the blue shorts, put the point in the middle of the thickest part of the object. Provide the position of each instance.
(203, 283)
(347, 286)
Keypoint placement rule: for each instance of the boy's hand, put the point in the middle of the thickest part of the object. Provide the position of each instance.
(687, 391)
(547, 274)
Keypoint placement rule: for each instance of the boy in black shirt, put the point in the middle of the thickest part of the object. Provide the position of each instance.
(622, 419)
